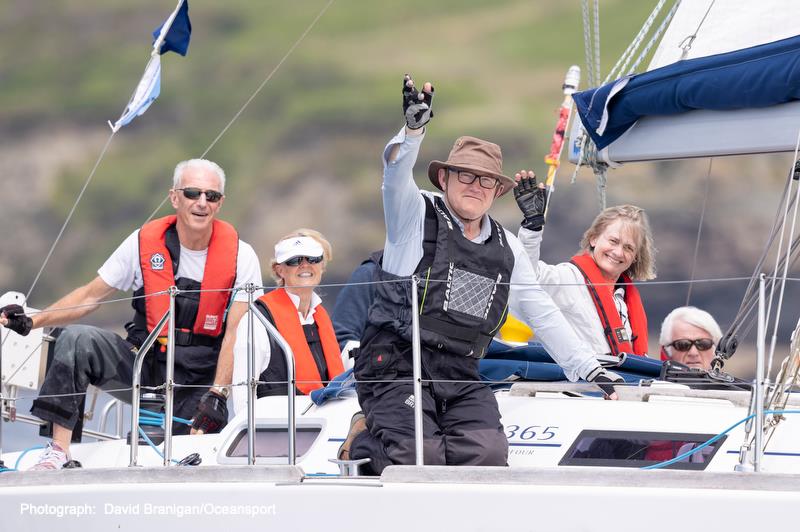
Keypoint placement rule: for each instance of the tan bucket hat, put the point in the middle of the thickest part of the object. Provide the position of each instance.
(474, 155)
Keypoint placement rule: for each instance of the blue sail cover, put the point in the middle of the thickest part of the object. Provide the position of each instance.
(532, 362)
(760, 76)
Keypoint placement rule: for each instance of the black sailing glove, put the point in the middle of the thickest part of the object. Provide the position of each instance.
(532, 201)
(212, 413)
(416, 104)
(17, 320)
(605, 379)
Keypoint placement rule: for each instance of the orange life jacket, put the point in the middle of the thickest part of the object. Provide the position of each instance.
(603, 299)
(284, 314)
(219, 274)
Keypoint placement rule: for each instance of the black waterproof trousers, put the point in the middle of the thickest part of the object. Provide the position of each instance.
(85, 355)
(461, 420)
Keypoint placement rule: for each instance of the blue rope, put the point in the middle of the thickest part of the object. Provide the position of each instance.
(149, 416)
(153, 445)
(713, 440)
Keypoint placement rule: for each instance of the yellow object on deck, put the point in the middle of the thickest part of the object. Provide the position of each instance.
(514, 330)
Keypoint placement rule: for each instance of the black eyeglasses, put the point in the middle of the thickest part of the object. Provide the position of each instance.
(192, 193)
(468, 178)
(295, 261)
(684, 344)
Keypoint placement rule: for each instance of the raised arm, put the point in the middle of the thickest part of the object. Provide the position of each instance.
(403, 206)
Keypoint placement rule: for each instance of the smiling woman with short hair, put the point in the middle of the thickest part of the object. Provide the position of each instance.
(297, 312)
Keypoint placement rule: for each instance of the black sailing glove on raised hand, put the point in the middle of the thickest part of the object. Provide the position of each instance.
(532, 201)
(17, 320)
(605, 380)
(416, 104)
(212, 413)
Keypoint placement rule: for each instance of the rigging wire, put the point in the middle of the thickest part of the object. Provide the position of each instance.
(71, 212)
(785, 273)
(654, 38)
(213, 143)
(597, 39)
(699, 230)
(254, 94)
(740, 326)
(686, 43)
(626, 56)
(587, 154)
(587, 44)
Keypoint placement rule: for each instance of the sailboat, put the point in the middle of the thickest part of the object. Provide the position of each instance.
(731, 463)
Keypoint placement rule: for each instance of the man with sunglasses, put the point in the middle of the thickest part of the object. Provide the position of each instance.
(688, 336)
(471, 271)
(192, 250)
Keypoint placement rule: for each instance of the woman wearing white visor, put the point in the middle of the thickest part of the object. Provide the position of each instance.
(297, 312)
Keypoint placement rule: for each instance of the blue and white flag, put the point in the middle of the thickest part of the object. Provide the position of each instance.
(173, 35)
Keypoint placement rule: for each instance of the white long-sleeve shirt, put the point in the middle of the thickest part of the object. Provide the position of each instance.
(404, 212)
(261, 350)
(567, 286)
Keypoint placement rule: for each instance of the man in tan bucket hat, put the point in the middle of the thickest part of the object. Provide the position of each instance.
(472, 272)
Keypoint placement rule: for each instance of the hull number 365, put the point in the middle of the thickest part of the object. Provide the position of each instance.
(532, 432)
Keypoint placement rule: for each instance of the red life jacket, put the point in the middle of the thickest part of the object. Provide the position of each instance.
(662, 450)
(219, 274)
(284, 314)
(603, 299)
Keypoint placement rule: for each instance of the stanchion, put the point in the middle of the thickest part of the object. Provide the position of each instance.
(759, 387)
(290, 377)
(251, 381)
(137, 386)
(169, 403)
(417, 365)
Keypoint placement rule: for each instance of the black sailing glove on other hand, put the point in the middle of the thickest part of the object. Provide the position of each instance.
(532, 201)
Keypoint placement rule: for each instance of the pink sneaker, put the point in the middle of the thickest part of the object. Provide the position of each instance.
(53, 457)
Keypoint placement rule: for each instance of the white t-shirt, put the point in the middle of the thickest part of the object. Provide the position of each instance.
(122, 270)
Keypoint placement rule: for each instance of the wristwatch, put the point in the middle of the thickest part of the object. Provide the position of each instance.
(221, 391)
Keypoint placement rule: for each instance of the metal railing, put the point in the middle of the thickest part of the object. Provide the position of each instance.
(169, 386)
(137, 384)
(754, 447)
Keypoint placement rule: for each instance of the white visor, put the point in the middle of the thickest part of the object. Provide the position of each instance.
(297, 246)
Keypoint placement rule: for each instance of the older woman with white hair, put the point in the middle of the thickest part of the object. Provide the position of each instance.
(297, 312)
(595, 290)
(688, 336)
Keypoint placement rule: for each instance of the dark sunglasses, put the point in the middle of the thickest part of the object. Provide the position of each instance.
(702, 344)
(295, 261)
(485, 181)
(192, 193)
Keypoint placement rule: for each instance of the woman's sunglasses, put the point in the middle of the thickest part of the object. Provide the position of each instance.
(702, 344)
(192, 193)
(295, 261)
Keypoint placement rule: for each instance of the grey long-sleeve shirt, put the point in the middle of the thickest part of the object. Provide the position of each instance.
(404, 212)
